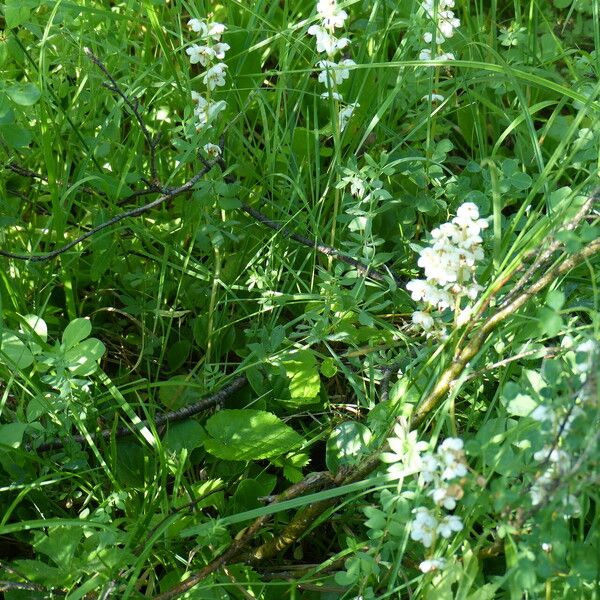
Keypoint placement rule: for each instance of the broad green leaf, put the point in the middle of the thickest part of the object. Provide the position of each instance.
(245, 434)
(346, 444)
(301, 369)
(15, 135)
(515, 402)
(24, 94)
(187, 434)
(75, 331)
(38, 325)
(11, 434)
(15, 351)
(83, 358)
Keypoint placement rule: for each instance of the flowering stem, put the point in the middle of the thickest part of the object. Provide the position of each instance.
(472, 348)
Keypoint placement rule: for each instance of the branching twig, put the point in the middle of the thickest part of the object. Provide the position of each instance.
(133, 105)
(160, 419)
(134, 212)
(322, 248)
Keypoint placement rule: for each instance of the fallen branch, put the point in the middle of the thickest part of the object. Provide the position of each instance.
(161, 419)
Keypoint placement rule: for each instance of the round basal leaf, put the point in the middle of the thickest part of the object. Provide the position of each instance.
(75, 331)
(245, 434)
(24, 94)
(15, 352)
(82, 359)
(347, 442)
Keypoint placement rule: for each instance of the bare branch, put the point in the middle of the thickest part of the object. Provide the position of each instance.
(133, 105)
(169, 417)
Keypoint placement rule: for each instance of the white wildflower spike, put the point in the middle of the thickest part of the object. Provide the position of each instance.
(332, 73)
(443, 26)
(449, 263)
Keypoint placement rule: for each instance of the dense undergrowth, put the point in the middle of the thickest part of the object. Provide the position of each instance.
(299, 299)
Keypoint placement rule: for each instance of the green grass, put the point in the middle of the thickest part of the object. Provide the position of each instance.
(185, 297)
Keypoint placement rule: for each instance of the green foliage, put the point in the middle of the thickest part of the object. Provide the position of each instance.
(158, 310)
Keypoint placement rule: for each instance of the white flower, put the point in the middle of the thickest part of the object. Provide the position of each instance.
(212, 150)
(346, 113)
(357, 187)
(433, 98)
(446, 496)
(334, 72)
(448, 525)
(425, 54)
(331, 15)
(468, 210)
(425, 320)
(200, 54)
(220, 49)
(215, 76)
(215, 30)
(335, 95)
(452, 457)
(206, 111)
(198, 26)
(326, 42)
(432, 564)
(423, 527)
(429, 467)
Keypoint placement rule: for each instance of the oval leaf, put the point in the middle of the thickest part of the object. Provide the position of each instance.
(24, 94)
(83, 358)
(75, 331)
(15, 351)
(245, 434)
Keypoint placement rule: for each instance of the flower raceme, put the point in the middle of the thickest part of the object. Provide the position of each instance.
(449, 264)
(442, 472)
(332, 73)
(209, 54)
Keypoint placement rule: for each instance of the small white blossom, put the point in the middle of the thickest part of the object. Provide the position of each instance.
(215, 30)
(220, 49)
(215, 76)
(433, 564)
(205, 111)
(425, 320)
(346, 113)
(331, 15)
(326, 42)
(448, 525)
(333, 72)
(212, 150)
(200, 54)
(423, 527)
(198, 26)
(334, 95)
(452, 457)
(433, 98)
(430, 467)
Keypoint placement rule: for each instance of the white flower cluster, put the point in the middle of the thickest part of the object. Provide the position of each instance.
(444, 23)
(555, 461)
(441, 471)
(333, 73)
(209, 53)
(449, 265)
